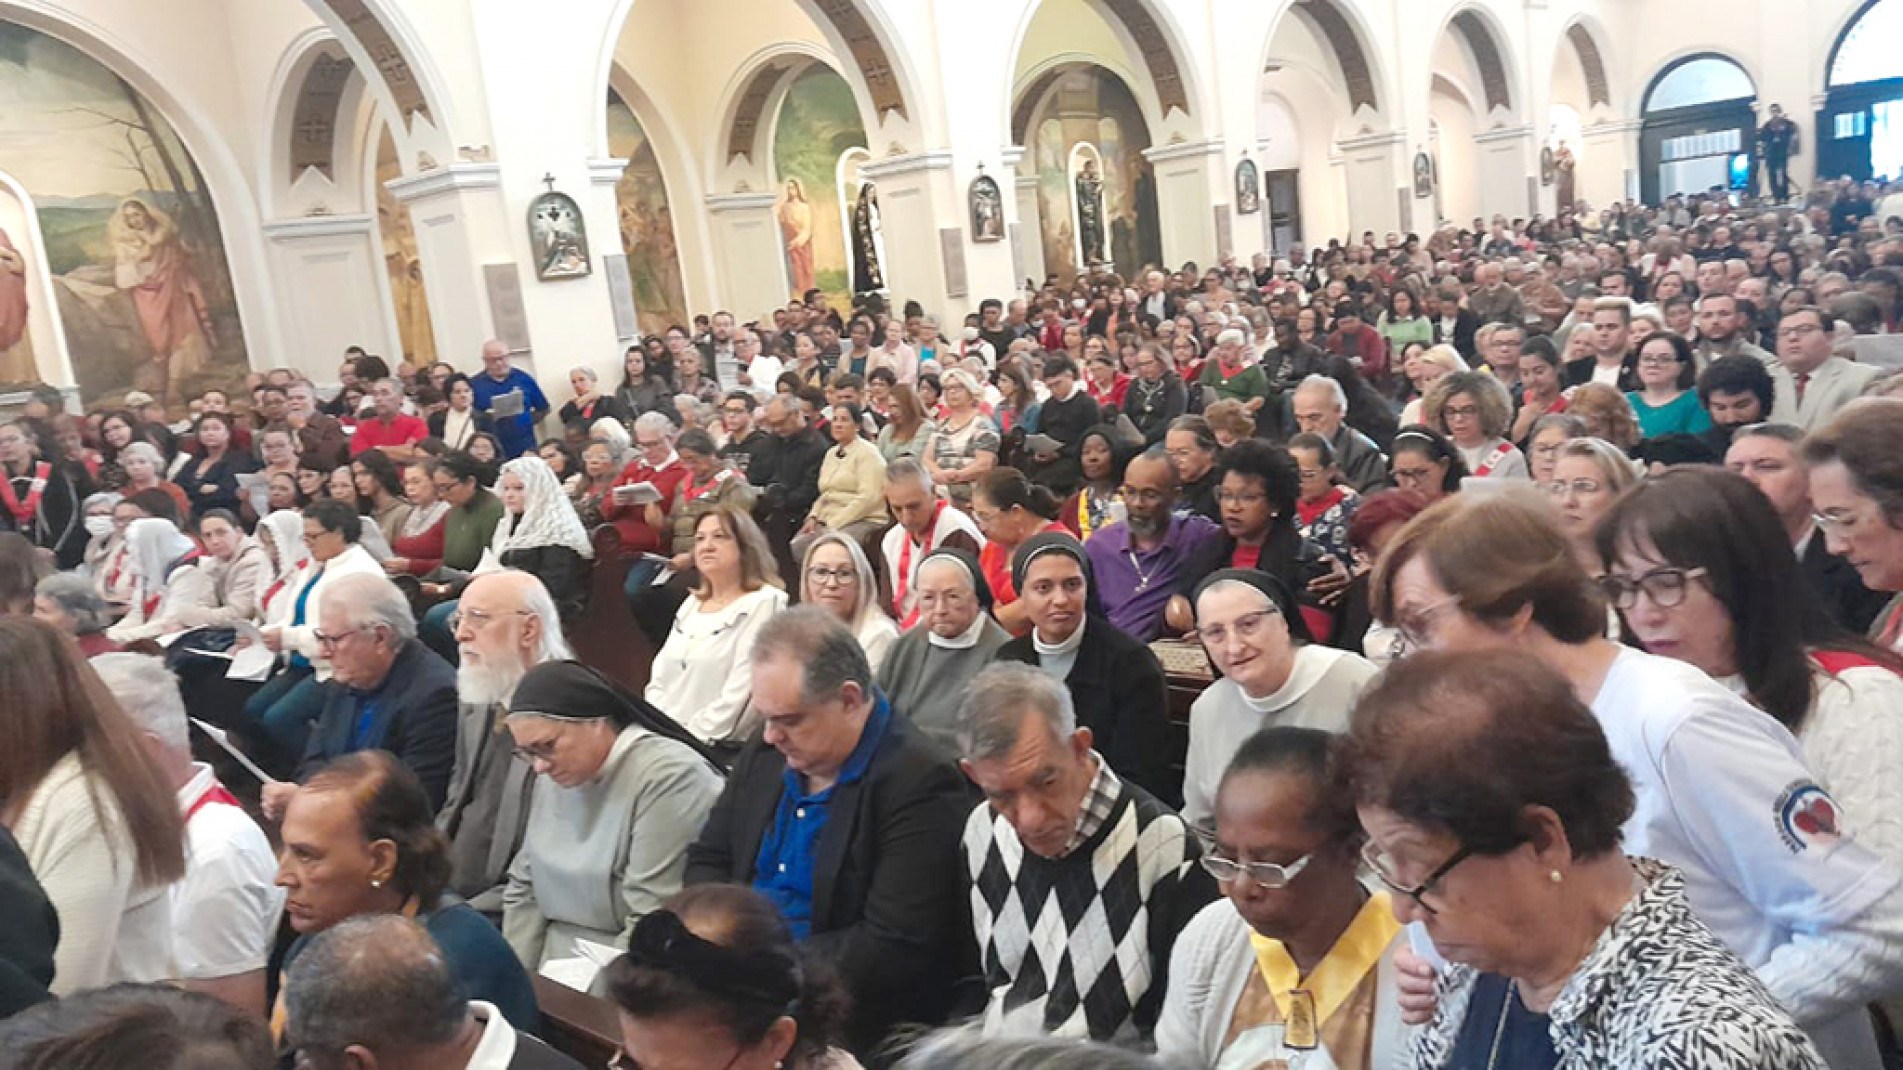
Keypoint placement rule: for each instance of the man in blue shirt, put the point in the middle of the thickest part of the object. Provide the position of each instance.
(849, 820)
(499, 380)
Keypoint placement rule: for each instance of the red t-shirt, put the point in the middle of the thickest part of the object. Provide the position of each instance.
(995, 562)
(405, 430)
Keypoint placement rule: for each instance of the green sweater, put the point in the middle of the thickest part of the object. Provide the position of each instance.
(1250, 382)
(468, 530)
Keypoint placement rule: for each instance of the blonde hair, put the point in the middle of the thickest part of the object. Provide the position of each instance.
(1618, 470)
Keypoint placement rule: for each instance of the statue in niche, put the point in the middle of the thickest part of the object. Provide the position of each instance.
(1563, 167)
(558, 237)
(16, 364)
(867, 276)
(987, 210)
(150, 263)
(796, 231)
(1090, 213)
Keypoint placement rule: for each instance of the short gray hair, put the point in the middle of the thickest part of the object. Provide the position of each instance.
(146, 450)
(378, 980)
(820, 642)
(80, 600)
(369, 600)
(998, 703)
(148, 692)
(655, 423)
(908, 467)
(538, 603)
(1326, 385)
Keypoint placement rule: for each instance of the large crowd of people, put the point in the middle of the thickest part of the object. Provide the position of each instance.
(1482, 649)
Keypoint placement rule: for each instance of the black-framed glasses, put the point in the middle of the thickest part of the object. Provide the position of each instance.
(326, 641)
(1665, 587)
(1381, 864)
(820, 576)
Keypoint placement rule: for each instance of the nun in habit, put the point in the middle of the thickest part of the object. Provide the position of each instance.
(925, 674)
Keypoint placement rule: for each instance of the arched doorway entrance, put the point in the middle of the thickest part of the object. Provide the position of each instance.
(1697, 128)
(1860, 127)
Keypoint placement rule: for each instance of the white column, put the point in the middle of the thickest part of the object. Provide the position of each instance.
(457, 212)
(748, 254)
(1377, 173)
(335, 289)
(1608, 162)
(1186, 196)
(1506, 167)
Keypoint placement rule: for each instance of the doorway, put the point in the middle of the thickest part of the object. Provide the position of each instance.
(1285, 210)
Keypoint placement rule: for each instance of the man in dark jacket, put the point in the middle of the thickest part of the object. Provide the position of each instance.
(849, 820)
(788, 478)
(1453, 325)
(388, 691)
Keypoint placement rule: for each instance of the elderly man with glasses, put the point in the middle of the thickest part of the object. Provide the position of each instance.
(390, 691)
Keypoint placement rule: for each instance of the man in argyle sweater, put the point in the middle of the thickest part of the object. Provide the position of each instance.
(1079, 881)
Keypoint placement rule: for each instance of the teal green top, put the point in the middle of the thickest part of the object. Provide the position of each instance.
(1682, 415)
(468, 530)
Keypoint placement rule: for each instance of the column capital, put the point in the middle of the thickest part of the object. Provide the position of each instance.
(1614, 128)
(894, 166)
(605, 170)
(1505, 133)
(1184, 150)
(318, 226)
(1371, 141)
(739, 202)
(450, 179)
(1011, 156)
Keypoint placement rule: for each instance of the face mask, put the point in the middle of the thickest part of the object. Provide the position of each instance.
(98, 526)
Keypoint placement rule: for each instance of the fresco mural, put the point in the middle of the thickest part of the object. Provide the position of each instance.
(1092, 107)
(132, 237)
(817, 124)
(647, 224)
(401, 260)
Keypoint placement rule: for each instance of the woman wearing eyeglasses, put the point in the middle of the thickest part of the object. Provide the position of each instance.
(1588, 474)
(1473, 410)
(1494, 805)
(715, 980)
(1665, 402)
(1296, 962)
(1724, 793)
(837, 575)
(1424, 461)
(1273, 673)
(1856, 485)
(1702, 571)
(621, 791)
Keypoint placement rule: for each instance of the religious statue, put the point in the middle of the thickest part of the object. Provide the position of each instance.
(557, 236)
(1423, 175)
(1776, 142)
(149, 262)
(13, 307)
(987, 210)
(1563, 167)
(796, 231)
(1090, 214)
(867, 277)
(1248, 188)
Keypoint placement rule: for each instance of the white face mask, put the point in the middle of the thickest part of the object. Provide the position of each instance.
(99, 526)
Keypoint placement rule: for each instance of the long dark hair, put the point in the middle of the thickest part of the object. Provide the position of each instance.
(1420, 438)
(1704, 517)
(1007, 487)
(383, 470)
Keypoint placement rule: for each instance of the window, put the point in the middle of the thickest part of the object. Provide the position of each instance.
(1703, 80)
(1867, 51)
(1851, 124)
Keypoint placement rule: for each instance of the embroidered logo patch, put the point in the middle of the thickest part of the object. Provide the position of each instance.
(1806, 816)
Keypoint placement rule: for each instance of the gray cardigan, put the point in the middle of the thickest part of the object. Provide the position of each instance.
(925, 683)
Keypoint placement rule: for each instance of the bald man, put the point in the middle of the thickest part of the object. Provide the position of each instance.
(500, 380)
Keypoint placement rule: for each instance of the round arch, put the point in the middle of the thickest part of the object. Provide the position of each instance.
(225, 181)
(1150, 35)
(1859, 128)
(1490, 48)
(1585, 37)
(1697, 125)
(1342, 32)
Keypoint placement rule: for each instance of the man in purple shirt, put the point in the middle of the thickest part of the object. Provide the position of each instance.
(1137, 562)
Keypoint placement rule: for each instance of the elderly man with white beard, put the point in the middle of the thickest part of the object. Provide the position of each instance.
(506, 625)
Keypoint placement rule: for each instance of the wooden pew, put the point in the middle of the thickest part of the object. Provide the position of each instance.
(580, 1026)
(605, 636)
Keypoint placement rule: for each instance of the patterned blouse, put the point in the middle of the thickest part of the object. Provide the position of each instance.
(1658, 991)
(1325, 521)
(956, 449)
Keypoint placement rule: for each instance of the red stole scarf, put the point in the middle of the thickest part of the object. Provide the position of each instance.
(23, 512)
(1494, 456)
(216, 794)
(902, 582)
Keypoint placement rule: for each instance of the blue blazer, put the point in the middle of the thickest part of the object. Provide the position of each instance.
(415, 719)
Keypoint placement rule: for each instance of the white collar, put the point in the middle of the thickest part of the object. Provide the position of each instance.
(202, 780)
(1068, 646)
(962, 641)
(496, 1049)
(1311, 662)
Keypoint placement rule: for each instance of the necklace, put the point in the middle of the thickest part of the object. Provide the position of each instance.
(1500, 1027)
(1143, 577)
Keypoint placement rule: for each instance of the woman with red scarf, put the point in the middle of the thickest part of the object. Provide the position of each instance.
(37, 499)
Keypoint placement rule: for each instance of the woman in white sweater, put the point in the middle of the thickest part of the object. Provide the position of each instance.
(700, 677)
(239, 570)
(95, 817)
(1273, 674)
(169, 570)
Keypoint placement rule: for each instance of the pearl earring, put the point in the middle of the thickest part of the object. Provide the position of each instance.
(1554, 876)
(375, 883)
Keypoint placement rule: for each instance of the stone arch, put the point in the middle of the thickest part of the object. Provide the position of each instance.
(309, 151)
(1584, 42)
(1686, 58)
(1151, 37)
(224, 179)
(679, 190)
(1486, 43)
(753, 97)
(397, 65)
(1340, 28)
